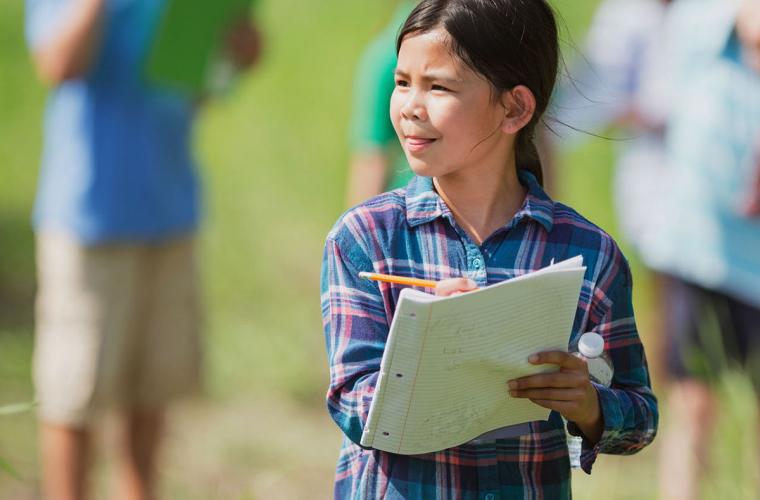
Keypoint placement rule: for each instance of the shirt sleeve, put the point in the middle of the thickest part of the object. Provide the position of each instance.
(42, 18)
(356, 329)
(628, 406)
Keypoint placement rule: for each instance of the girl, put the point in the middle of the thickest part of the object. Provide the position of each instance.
(472, 81)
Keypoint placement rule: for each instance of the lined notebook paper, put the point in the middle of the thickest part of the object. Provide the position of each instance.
(447, 359)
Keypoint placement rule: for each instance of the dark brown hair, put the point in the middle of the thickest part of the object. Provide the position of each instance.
(509, 42)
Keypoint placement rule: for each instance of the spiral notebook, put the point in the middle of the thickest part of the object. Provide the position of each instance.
(447, 360)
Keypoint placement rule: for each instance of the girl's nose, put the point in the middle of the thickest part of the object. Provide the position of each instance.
(414, 107)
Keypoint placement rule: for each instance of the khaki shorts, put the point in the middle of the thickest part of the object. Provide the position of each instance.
(117, 327)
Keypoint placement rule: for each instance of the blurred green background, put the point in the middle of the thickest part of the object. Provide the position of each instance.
(275, 159)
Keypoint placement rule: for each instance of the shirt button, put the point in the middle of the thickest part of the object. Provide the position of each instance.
(477, 263)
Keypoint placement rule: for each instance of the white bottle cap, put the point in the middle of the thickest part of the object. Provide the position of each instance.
(591, 345)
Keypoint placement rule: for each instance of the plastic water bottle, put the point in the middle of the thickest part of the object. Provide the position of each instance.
(590, 348)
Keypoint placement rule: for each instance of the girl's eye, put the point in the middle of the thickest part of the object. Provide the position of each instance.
(439, 87)
(402, 83)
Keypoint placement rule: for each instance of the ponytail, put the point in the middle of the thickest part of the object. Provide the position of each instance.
(527, 156)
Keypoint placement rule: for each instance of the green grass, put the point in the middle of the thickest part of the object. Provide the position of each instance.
(274, 160)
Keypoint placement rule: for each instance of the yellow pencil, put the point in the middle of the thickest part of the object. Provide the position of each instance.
(401, 280)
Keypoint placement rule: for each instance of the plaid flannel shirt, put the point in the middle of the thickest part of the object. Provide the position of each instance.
(411, 232)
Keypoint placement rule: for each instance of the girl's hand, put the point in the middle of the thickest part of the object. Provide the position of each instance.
(568, 391)
(454, 286)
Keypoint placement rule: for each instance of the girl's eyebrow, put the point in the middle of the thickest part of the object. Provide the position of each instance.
(430, 76)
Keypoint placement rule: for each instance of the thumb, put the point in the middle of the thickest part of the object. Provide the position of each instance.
(454, 285)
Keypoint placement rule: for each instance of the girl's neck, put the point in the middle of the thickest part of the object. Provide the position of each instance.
(482, 201)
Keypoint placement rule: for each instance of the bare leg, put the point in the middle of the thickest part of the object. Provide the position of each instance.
(658, 326)
(142, 436)
(64, 462)
(685, 443)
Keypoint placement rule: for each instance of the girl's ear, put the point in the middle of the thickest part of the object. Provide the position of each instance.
(519, 105)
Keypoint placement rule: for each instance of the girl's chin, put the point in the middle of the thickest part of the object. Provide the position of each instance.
(423, 169)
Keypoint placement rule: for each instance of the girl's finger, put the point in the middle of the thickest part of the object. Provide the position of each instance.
(549, 394)
(555, 380)
(563, 407)
(560, 358)
(451, 286)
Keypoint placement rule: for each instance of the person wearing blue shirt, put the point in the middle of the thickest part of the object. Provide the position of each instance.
(710, 230)
(117, 210)
(618, 80)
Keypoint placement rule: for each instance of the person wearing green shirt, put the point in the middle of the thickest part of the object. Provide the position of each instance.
(377, 162)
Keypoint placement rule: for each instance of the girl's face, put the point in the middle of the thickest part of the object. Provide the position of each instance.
(443, 112)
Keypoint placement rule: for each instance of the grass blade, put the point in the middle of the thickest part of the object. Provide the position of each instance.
(15, 408)
(6, 467)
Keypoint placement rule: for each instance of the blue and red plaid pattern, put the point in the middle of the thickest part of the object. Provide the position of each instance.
(411, 232)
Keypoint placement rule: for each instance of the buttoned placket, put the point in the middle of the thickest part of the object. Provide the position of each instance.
(476, 265)
(474, 260)
(477, 257)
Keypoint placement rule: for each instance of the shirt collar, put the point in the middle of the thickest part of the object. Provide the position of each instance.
(424, 205)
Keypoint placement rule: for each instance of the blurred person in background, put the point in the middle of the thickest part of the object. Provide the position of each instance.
(377, 161)
(116, 215)
(687, 189)
(618, 81)
(709, 240)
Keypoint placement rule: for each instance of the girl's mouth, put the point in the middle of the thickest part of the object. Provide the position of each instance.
(417, 144)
